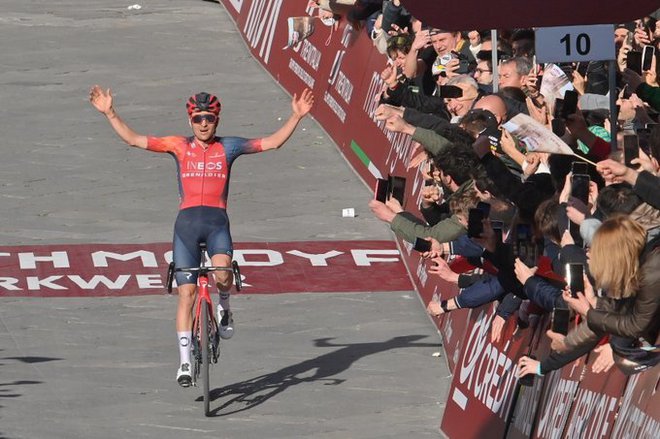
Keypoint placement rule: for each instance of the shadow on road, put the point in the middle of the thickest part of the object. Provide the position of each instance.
(249, 393)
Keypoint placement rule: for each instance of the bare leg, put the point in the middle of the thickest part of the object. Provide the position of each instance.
(223, 279)
(185, 306)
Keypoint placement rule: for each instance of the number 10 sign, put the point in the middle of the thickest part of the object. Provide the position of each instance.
(575, 43)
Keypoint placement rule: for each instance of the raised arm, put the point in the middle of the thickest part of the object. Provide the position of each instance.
(102, 101)
(300, 106)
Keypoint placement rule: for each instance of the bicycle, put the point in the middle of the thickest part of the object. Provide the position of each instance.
(205, 334)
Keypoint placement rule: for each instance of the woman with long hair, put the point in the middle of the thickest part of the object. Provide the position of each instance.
(626, 271)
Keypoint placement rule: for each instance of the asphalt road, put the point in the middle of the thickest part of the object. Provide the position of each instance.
(337, 365)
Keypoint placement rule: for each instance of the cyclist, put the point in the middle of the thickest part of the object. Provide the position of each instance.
(203, 162)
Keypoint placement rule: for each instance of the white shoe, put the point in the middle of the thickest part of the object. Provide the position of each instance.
(225, 323)
(183, 376)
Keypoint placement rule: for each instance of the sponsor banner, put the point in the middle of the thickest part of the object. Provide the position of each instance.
(138, 269)
(561, 387)
(639, 413)
(526, 408)
(596, 403)
(484, 379)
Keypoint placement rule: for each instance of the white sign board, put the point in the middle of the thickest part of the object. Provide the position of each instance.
(575, 43)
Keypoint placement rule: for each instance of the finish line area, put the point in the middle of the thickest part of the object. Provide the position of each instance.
(331, 339)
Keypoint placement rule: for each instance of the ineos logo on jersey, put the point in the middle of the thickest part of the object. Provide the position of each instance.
(202, 166)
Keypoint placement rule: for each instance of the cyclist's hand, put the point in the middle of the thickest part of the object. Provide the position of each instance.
(101, 99)
(303, 104)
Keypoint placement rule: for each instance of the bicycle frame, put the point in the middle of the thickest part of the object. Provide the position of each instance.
(203, 298)
(205, 339)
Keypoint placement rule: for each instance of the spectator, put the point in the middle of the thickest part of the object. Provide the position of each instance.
(514, 72)
(522, 43)
(458, 107)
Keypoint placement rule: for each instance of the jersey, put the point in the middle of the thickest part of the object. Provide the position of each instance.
(203, 174)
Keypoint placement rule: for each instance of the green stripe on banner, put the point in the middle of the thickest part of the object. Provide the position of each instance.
(365, 160)
(361, 155)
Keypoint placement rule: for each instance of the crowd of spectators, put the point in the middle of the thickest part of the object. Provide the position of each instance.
(543, 215)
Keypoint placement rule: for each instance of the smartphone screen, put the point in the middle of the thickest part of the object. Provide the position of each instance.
(475, 227)
(629, 38)
(574, 273)
(570, 103)
(450, 91)
(582, 68)
(580, 187)
(580, 168)
(558, 126)
(498, 227)
(381, 189)
(485, 207)
(422, 245)
(647, 58)
(559, 106)
(524, 244)
(560, 320)
(397, 187)
(630, 149)
(634, 61)
(643, 137)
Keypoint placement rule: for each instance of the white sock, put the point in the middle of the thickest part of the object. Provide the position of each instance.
(185, 345)
(224, 300)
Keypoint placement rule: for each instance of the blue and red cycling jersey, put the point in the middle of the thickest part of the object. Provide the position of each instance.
(204, 173)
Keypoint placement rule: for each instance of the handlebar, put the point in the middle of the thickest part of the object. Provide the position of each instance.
(203, 271)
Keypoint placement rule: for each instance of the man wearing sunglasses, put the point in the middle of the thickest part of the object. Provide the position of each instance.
(203, 162)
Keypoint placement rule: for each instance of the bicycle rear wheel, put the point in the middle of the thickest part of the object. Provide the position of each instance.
(206, 360)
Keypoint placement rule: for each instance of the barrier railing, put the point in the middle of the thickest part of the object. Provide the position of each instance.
(343, 68)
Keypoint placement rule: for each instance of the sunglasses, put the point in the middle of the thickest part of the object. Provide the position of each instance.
(398, 42)
(210, 118)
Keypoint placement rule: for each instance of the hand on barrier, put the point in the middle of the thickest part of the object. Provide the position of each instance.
(385, 111)
(442, 270)
(417, 159)
(605, 359)
(496, 329)
(527, 366)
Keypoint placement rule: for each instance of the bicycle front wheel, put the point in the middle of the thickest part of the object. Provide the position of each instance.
(206, 360)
